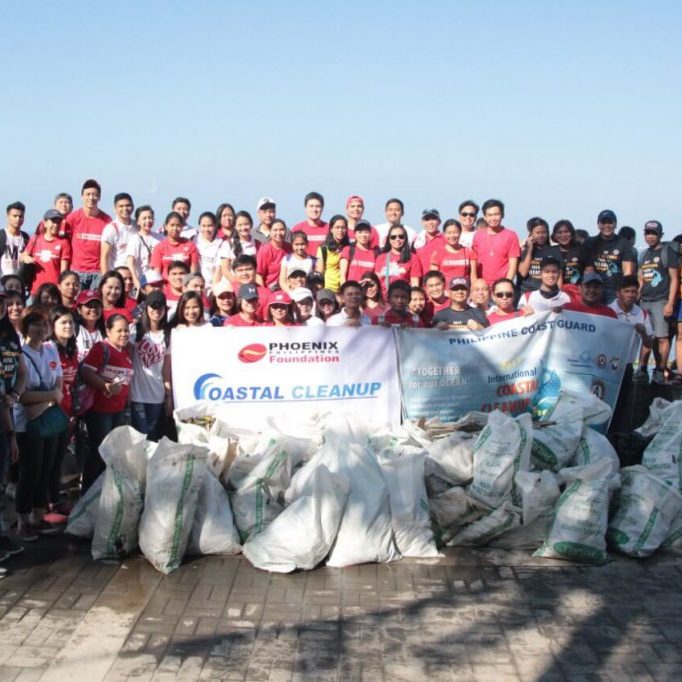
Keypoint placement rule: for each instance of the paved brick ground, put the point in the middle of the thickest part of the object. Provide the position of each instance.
(473, 615)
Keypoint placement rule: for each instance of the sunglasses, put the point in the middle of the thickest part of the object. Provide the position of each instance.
(468, 215)
(504, 294)
(279, 306)
(459, 287)
(394, 237)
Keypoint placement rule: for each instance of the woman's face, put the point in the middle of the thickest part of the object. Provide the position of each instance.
(119, 333)
(279, 312)
(146, 221)
(91, 311)
(305, 308)
(326, 307)
(69, 287)
(192, 312)
(249, 305)
(128, 282)
(196, 284)
(277, 232)
(47, 298)
(227, 219)
(173, 229)
(363, 237)
(563, 236)
(417, 302)
(397, 239)
(63, 327)
(452, 234)
(38, 330)
(15, 308)
(156, 314)
(370, 287)
(225, 301)
(207, 228)
(243, 228)
(111, 291)
(300, 247)
(540, 235)
(339, 230)
(14, 284)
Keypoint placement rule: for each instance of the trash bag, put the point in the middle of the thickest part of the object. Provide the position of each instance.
(365, 534)
(594, 410)
(302, 535)
(501, 520)
(451, 458)
(578, 530)
(404, 477)
(83, 516)
(555, 444)
(122, 495)
(653, 422)
(175, 475)
(454, 508)
(663, 456)
(502, 449)
(213, 530)
(646, 507)
(594, 447)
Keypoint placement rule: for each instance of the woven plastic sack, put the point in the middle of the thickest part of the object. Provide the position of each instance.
(501, 520)
(663, 456)
(83, 516)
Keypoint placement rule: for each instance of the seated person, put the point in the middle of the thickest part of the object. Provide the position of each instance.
(591, 295)
(460, 315)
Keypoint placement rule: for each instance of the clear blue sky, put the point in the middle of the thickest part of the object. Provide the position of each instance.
(558, 108)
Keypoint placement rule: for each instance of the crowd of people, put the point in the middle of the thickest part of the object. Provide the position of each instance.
(88, 303)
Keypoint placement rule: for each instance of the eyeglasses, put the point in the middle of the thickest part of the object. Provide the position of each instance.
(504, 294)
(394, 237)
(467, 215)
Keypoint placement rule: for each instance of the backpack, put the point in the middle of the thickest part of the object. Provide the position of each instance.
(666, 247)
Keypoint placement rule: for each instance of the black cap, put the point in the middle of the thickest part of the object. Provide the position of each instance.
(653, 226)
(248, 291)
(430, 213)
(607, 216)
(156, 299)
(53, 214)
(362, 225)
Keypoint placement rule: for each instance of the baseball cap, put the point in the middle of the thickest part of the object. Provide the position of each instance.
(653, 226)
(607, 216)
(430, 213)
(458, 282)
(52, 214)
(150, 277)
(279, 297)
(248, 291)
(362, 225)
(315, 277)
(3, 291)
(222, 287)
(86, 296)
(354, 197)
(263, 202)
(156, 299)
(298, 272)
(300, 294)
(592, 277)
(325, 295)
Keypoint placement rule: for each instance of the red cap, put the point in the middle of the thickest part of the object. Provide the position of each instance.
(87, 296)
(280, 297)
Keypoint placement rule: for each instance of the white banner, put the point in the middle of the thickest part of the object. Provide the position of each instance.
(262, 371)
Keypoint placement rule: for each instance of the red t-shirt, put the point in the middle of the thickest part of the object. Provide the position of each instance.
(269, 260)
(85, 235)
(165, 253)
(495, 317)
(390, 317)
(396, 270)
(362, 261)
(493, 251)
(119, 366)
(452, 263)
(238, 321)
(69, 373)
(424, 252)
(375, 312)
(48, 257)
(126, 312)
(316, 235)
(599, 309)
(432, 307)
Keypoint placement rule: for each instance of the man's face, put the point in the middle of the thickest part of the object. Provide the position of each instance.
(245, 273)
(607, 229)
(175, 277)
(52, 227)
(394, 213)
(459, 294)
(430, 224)
(480, 293)
(652, 238)
(63, 205)
(355, 209)
(352, 297)
(90, 198)
(493, 217)
(267, 214)
(417, 303)
(363, 237)
(15, 218)
(549, 275)
(435, 288)
(504, 297)
(124, 209)
(627, 297)
(182, 208)
(313, 209)
(467, 217)
(398, 300)
(591, 293)
(296, 281)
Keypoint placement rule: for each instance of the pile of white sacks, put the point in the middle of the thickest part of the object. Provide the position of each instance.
(340, 490)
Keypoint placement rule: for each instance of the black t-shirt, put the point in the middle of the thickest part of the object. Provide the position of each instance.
(10, 354)
(571, 265)
(607, 258)
(653, 265)
(458, 319)
(531, 282)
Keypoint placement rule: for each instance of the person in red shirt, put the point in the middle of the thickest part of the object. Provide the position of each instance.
(437, 299)
(269, 257)
(373, 302)
(48, 252)
(497, 248)
(108, 368)
(591, 295)
(174, 248)
(112, 292)
(280, 310)
(398, 314)
(361, 255)
(429, 239)
(452, 258)
(397, 261)
(313, 225)
(247, 305)
(503, 296)
(244, 269)
(417, 305)
(355, 207)
(83, 228)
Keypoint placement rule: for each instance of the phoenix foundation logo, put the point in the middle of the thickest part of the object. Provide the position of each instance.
(308, 352)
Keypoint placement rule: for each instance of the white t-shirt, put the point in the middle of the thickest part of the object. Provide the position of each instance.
(140, 247)
(209, 255)
(540, 304)
(291, 263)
(147, 384)
(635, 316)
(47, 370)
(85, 341)
(117, 235)
(340, 319)
(467, 238)
(227, 252)
(189, 232)
(9, 261)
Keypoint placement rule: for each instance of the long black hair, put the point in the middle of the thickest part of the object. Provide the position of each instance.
(234, 240)
(406, 251)
(330, 242)
(144, 325)
(70, 348)
(179, 317)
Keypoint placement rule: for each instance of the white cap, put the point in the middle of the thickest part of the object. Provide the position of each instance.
(151, 277)
(222, 287)
(300, 293)
(264, 201)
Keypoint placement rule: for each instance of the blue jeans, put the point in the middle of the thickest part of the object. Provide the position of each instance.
(99, 425)
(146, 418)
(89, 280)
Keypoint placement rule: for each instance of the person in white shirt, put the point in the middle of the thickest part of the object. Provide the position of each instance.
(304, 308)
(394, 211)
(116, 234)
(549, 296)
(351, 314)
(468, 210)
(209, 247)
(13, 240)
(183, 206)
(141, 244)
